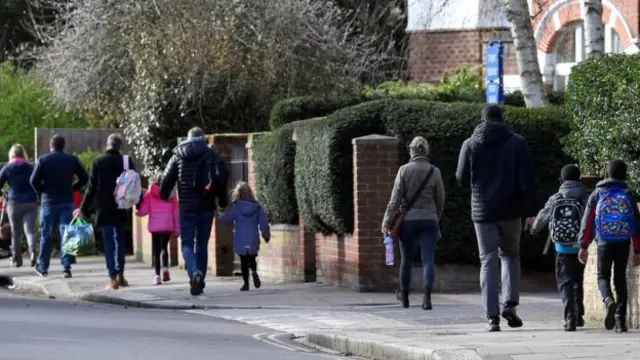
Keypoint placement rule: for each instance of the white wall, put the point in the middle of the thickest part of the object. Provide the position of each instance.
(455, 15)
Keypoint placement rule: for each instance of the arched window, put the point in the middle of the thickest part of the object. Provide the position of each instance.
(571, 49)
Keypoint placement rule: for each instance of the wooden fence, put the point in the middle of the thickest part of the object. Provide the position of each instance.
(80, 140)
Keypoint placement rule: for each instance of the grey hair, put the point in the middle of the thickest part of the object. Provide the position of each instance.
(115, 141)
(195, 132)
(419, 145)
(18, 151)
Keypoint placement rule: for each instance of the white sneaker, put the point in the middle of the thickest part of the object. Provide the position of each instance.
(156, 280)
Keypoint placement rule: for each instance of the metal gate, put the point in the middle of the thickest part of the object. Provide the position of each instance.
(239, 172)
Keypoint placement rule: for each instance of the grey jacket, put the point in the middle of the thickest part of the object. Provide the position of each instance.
(429, 204)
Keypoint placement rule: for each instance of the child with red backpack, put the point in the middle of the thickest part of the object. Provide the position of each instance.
(611, 217)
(562, 214)
(163, 223)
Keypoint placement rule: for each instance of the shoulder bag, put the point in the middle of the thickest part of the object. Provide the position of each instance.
(396, 229)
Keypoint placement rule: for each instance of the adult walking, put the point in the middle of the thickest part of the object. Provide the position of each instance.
(201, 176)
(496, 163)
(105, 171)
(22, 205)
(419, 193)
(53, 180)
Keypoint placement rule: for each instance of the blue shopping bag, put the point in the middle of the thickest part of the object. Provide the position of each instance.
(79, 239)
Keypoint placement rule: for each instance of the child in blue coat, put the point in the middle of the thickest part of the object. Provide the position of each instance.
(247, 215)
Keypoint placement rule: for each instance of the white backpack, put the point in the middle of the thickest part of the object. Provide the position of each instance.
(128, 187)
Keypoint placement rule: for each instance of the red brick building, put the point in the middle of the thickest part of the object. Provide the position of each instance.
(444, 37)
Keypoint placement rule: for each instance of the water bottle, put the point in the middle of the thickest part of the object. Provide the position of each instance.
(389, 254)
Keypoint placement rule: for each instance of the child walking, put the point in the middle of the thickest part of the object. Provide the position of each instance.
(611, 217)
(562, 214)
(247, 215)
(163, 223)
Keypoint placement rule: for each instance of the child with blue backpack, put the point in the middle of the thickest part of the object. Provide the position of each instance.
(611, 217)
(562, 214)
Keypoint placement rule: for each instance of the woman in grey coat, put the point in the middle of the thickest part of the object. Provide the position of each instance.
(420, 179)
(22, 206)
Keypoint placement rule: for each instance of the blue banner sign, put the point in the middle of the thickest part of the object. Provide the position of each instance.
(495, 73)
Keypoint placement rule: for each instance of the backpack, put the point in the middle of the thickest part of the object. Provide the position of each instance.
(566, 217)
(128, 187)
(615, 215)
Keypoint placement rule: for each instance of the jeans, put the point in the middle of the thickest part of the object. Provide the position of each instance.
(51, 216)
(195, 230)
(113, 238)
(616, 254)
(570, 276)
(427, 234)
(499, 242)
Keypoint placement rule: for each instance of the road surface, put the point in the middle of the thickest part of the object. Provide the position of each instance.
(36, 328)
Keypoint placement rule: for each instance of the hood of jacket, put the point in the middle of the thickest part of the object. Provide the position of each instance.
(246, 208)
(609, 183)
(191, 149)
(573, 189)
(491, 133)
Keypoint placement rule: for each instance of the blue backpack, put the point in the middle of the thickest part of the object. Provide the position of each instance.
(615, 215)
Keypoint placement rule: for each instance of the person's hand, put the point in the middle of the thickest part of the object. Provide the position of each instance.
(77, 213)
(528, 223)
(636, 259)
(385, 231)
(267, 240)
(583, 256)
(220, 209)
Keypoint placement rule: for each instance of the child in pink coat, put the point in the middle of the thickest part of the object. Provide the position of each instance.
(163, 223)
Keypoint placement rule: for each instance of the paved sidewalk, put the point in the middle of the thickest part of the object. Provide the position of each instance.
(366, 324)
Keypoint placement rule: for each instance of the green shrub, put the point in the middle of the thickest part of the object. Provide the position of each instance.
(273, 158)
(25, 103)
(323, 163)
(306, 107)
(603, 107)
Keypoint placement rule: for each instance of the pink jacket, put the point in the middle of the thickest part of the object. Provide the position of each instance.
(163, 215)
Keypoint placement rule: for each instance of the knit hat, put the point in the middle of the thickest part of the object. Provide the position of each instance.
(570, 172)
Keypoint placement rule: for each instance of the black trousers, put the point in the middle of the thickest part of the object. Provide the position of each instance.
(570, 277)
(247, 262)
(159, 246)
(614, 254)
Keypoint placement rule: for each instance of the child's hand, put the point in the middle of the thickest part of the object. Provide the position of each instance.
(583, 256)
(636, 259)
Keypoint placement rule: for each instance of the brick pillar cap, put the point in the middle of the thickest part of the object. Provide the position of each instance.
(250, 138)
(374, 138)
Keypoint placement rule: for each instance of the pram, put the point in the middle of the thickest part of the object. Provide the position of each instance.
(5, 229)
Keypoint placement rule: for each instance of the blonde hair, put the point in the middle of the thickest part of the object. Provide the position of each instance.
(242, 191)
(18, 151)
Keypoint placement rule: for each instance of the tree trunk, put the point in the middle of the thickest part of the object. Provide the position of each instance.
(526, 53)
(593, 27)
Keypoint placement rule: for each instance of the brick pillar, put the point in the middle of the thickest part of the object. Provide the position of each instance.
(250, 164)
(308, 242)
(375, 164)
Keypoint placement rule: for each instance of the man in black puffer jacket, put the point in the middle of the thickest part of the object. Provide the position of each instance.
(496, 162)
(201, 176)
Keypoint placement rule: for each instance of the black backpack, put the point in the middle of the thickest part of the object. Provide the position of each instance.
(566, 217)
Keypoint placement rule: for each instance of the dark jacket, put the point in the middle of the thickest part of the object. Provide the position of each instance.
(194, 167)
(53, 177)
(588, 228)
(17, 175)
(105, 170)
(572, 189)
(497, 163)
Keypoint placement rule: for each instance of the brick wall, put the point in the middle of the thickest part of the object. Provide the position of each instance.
(432, 53)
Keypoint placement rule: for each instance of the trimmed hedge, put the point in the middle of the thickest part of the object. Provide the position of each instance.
(305, 107)
(273, 158)
(323, 163)
(603, 107)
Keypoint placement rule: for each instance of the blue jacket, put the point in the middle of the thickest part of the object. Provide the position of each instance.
(247, 216)
(17, 175)
(53, 177)
(574, 189)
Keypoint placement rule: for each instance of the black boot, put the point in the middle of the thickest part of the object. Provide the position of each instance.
(570, 323)
(621, 324)
(580, 321)
(426, 300)
(494, 324)
(609, 319)
(404, 298)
